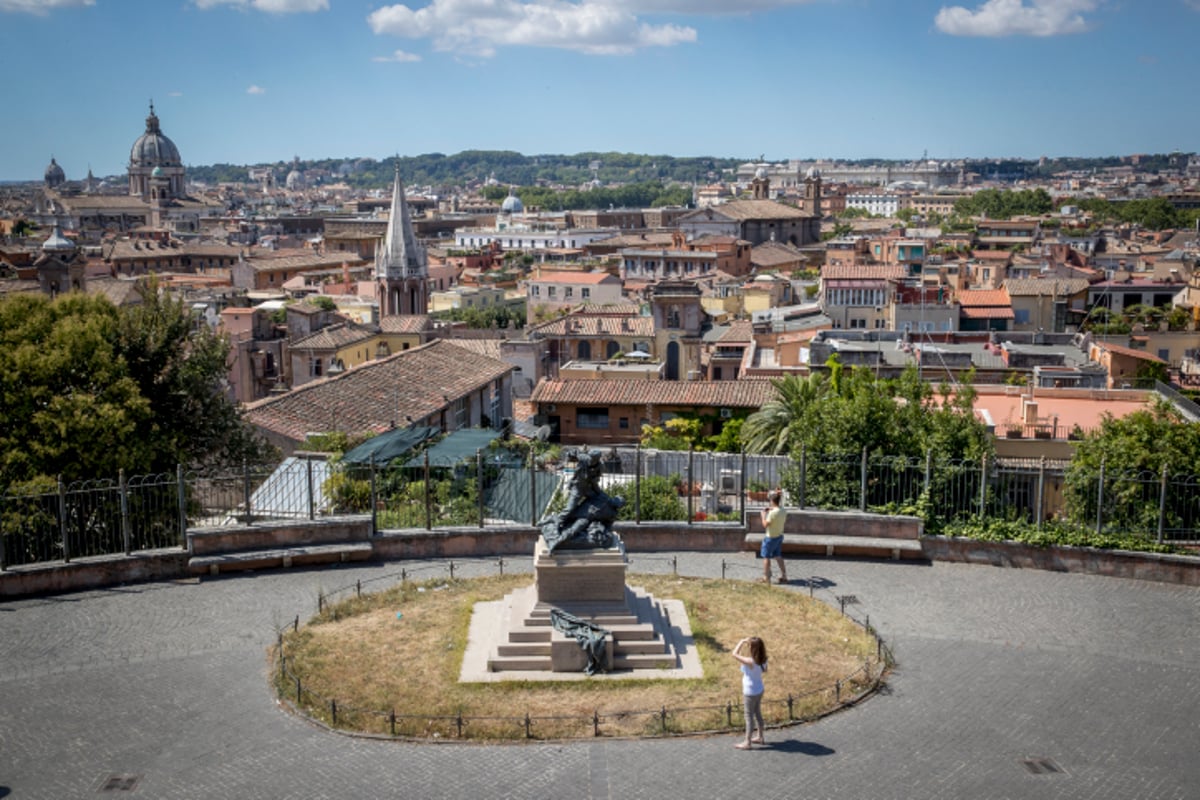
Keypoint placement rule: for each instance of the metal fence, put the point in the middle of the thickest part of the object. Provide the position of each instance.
(793, 706)
(60, 522)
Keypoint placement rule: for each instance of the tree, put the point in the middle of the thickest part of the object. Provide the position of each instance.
(770, 429)
(87, 389)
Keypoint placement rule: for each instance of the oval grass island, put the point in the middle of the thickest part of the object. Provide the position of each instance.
(387, 664)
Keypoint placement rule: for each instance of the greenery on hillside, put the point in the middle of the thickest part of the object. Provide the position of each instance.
(1154, 213)
(1003, 204)
(87, 389)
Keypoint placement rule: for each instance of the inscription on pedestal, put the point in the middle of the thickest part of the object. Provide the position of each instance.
(580, 576)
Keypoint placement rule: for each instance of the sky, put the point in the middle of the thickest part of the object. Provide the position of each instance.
(259, 81)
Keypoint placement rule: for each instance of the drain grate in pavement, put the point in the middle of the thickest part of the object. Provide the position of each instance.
(120, 783)
(1041, 766)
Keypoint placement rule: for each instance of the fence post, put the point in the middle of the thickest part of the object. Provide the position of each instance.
(62, 520)
(983, 479)
(182, 496)
(126, 538)
(862, 482)
(1041, 494)
(532, 487)
(249, 518)
(312, 512)
(690, 480)
(803, 473)
(1162, 504)
(479, 481)
(637, 485)
(1100, 498)
(928, 470)
(741, 488)
(374, 501)
(428, 496)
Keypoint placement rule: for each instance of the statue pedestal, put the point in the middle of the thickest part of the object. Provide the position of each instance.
(586, 575)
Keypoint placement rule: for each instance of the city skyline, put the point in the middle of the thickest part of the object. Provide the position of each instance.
(257, 81)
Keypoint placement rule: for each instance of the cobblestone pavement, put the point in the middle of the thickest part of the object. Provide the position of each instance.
(160, 690)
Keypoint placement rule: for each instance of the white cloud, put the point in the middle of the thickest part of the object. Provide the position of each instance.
(255, 89)
(398, 56)
(1015, 18)
(479, 27)
(270, 6)
(174, 94)
(42, 7)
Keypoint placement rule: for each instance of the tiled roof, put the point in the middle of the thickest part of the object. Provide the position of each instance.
(624, 309)
(984, 297)
(738, 332)
(333, 337)
(572, 277)
(302, 261)
(743, 210)
(773, 253)
(730, 394)
(991, 255)
(585, 325)
(658, 240)
(483, 347)
(405, 323)
(1122, 350)
(1033, 287)
(987, 312)
(373, 396)
(862, 272)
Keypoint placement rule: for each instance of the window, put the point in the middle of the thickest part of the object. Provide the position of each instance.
(586, 293)
(535, 290)
(858, 323)
(569, 291)
(592, 418)
(623, 423)
(1021, 316)
(552, 291)
(314, 367)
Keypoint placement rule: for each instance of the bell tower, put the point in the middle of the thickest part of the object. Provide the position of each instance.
(401, 264)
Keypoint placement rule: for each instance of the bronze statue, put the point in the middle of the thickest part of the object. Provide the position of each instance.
(587, 519)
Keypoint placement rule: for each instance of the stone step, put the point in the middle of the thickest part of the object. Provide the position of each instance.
(658, 661)
(638, 647)
(519, 663)
(524, 649)
(603, 620)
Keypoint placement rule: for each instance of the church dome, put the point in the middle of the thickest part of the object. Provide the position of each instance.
(57, 243)
(512, 205)
(153, 148)
(55, 174)
(295, 179)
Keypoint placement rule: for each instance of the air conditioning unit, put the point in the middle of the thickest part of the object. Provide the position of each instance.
(551, 408)
(726, 413)
(729, 481)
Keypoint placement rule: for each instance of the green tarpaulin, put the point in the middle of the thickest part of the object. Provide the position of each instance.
(386, 447)
(457, 446)
(510, 498)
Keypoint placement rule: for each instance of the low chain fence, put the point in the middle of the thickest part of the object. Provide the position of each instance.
(789, 708)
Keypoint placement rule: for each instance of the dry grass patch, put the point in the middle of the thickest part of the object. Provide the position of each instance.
(371, 662)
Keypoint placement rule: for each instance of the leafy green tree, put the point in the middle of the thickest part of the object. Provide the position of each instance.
(87, 389)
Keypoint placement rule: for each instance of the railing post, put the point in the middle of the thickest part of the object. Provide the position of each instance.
(479, 482)
(983, 480)
(1100, 497)
(637, 485)
(374, 500)
(1162, 504)
(62, 520)
(182, 497)
(862, 482)
(803, 473)
(690, 480)
(308, 475)
(126, 538)
(428, 496)
(1041, 492)
(246, 492)
(741, 488)
(532, 488)
(928, 470)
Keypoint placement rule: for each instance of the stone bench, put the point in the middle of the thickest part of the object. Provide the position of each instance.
(279, 557)
(844, 545)
(850, 533)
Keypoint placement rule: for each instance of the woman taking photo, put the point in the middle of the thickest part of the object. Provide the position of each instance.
(754, 664)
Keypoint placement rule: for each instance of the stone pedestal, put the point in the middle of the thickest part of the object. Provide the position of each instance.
(570, 577)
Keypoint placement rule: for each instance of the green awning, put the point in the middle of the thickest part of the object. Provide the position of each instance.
(386, 447)
(457, 446)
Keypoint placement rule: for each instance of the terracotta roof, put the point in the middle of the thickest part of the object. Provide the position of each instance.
(658, 240)
(730, 394)
(772, 253)
(1122, 350)
(984, 297)
(1033, 287)
(755, 209)
(405, 323)
(333, 337)
(573, 277)
(622, 309)
(483, 347)
(301, 261)
(991, 255)
(862, 272)
(586, 325)
(740, 331)
(987, 312)
(372, 396)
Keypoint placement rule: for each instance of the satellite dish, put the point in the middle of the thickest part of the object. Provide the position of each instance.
(542, 433)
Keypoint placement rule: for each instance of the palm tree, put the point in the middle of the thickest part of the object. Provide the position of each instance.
(768, 430)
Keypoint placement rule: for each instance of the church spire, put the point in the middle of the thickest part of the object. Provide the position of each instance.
(401, 267)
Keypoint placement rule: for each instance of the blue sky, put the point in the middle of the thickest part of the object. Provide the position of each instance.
(247, 81)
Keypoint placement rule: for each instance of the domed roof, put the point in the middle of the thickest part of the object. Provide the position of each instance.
(761, 172)
(57, 243)
(512, 205)
(295, 179)
(54, 173)
(153, 148)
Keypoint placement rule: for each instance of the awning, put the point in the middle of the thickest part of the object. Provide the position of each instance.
(458, 446)
(386, 447)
